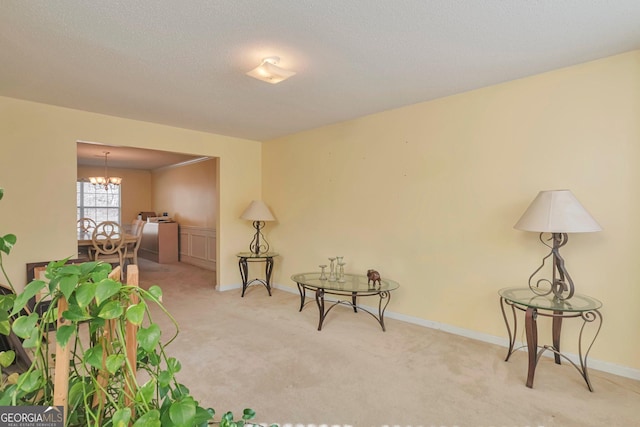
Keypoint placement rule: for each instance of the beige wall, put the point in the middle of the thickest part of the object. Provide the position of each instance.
(135, 192)
(428, 195)
(187, 193)
(38, 172)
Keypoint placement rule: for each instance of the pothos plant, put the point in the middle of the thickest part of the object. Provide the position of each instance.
(93, 304)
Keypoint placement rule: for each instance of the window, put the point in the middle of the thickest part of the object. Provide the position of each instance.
(97, 203)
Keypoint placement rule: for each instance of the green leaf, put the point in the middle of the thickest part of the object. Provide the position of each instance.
(63, 334)
(32, 340)
(7, 358)
(85, 293)
(86, 268)
(111, 310)
(29, 292)
(203, 416)
(68, 284)
(6, 302)
(156, 292)
(95, 325)
(154, 358)
(7, 242)
(76, 314)
(164, 378)
(148, 338)
(248, 414)
(114, 362)
(65, 269)
(182, 412)
(93, 356)
(1, 193)
(105, 289)
(77, 393)
(30, 381)
(23, 326)
(145, 393)
(121, 417)
(5, 327)
(173, 365)
(135, 313)
(150, 419)
(179, 392)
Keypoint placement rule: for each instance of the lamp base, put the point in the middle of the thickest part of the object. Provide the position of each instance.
(259, 244)
(561, 284)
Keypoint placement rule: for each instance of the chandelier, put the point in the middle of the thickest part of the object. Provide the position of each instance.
(106, 182)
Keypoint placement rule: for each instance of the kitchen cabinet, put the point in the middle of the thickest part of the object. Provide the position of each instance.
(160, 242)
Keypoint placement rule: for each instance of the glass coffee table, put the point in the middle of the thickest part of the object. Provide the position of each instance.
(354, 286)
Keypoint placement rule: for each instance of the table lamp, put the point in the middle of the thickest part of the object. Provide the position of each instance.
(258, 212)
(557, 212)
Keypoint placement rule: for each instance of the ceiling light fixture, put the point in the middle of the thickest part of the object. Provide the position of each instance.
(106, 182)
(269, 72)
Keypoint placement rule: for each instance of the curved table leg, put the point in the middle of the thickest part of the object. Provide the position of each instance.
(588, 317)
(386, 296)
(556, 328)
(268, 268)
(512, 337)
(244, 271)
(531, 329)
(303, 294)
(320, 302)
(353, 302)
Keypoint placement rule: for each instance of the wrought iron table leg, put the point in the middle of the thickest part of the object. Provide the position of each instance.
(531, 329)
(267, 273)
(353, 302)
(512, 337)
(386, 296)
(244, 271)
(320, 302)
(556, 329)
(303, 293)
(588, 317)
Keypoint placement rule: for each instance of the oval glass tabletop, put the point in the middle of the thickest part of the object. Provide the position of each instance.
(525, 296)
(352, 283)
(252, 255)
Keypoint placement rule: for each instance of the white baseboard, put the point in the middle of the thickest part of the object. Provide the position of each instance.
(599, 365)
(224, 288)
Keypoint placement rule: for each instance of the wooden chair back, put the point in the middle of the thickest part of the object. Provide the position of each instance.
(132, 249)
(86, 225)
(108, 243)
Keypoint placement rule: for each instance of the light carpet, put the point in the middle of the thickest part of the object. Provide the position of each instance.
(260, 352)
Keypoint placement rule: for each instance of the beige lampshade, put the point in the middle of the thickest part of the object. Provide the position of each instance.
(257, 211)
(557, 211)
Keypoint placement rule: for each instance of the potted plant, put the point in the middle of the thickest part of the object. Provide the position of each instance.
(95, 311)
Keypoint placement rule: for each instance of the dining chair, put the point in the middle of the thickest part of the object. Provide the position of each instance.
(86, 225)
(132, 248)
(108, 243)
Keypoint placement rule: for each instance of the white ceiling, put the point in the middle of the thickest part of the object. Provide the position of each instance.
(91, 154)
(183, 63)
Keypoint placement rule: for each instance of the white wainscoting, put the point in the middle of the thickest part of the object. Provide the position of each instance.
(198, 246)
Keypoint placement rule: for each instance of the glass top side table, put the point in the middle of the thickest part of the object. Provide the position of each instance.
(579, 306)
(244, 258)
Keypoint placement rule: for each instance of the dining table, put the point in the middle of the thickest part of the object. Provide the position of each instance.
(84, 238)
